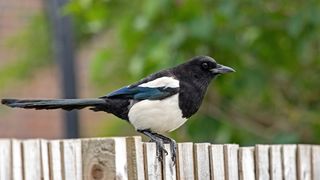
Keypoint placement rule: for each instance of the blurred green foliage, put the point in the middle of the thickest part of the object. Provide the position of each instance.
(274, 97)
(273, 45)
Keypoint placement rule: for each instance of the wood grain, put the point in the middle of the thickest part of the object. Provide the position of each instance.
(185, 167)
(45, 169)
(104, 158)
(129, 158)
(17, 168)
(153, 169)
(135, 158)
(71, 159)
(202, 161)
(55, 158)
(246, 162)
(31, 159)
(289, 162)
(262, 162)
(169, 168)
(304, 162)
(231, 161)
(275, 162)
(315, 156)
(217, 162)
(5, 159)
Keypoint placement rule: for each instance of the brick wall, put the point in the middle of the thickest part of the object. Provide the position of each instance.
(44, 83)
(14, 15)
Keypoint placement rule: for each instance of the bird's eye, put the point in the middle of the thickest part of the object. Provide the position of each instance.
(205, 65)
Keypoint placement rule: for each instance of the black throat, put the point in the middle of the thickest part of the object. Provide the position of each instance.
(193, 86)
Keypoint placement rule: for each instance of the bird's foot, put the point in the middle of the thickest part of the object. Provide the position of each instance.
(160, 150)
(173, 146)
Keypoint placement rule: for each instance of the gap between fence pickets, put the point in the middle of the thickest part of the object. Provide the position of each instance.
(135, 158)
(123, 157)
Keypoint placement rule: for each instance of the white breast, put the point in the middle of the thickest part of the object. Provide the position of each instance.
(157, 115)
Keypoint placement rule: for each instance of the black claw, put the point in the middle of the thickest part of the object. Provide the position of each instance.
(160, 140)
(165, 152)
(160, 146)
(173, 147)
(160, 158)
(160, 152)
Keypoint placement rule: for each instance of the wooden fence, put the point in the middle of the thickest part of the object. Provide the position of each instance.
(129, 158)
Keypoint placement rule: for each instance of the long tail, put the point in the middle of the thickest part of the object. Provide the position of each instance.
(66, 104)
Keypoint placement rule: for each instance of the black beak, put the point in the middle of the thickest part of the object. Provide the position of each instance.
(221, 69)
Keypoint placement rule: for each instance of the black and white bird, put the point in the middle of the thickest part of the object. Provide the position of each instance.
(159, 103)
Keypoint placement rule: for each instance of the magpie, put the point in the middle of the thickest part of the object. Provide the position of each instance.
(159, 103)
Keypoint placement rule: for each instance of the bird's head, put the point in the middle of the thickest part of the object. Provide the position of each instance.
(204, 67)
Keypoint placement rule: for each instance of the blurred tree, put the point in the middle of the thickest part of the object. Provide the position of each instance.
(273, 45)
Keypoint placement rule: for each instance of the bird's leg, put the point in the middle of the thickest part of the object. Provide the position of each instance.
(173, 145)
(159, 143)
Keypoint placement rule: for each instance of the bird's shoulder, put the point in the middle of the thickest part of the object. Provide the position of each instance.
(161, 78)
(156, 86)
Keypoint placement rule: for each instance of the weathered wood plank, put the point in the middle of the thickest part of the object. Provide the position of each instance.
(169, 169)
(152, 165)
(202, 161)
(16, 160)
(129, 158)
(304, 162)
(289, 162)
(217, 162)
(121, 158)
(31, 159)
(135, 158)
(185, 166)
(275, 162)
(262, 162)
(315, 154)
(231, 161)
(71, 156)
(55, 159)
(45, 175)
(5, 159)
(246, 162)
(104, 158)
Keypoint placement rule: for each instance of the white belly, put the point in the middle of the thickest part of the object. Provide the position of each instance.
(157, 115)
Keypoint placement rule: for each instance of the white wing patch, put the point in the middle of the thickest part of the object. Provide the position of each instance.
(162, 82)
(158, 115)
